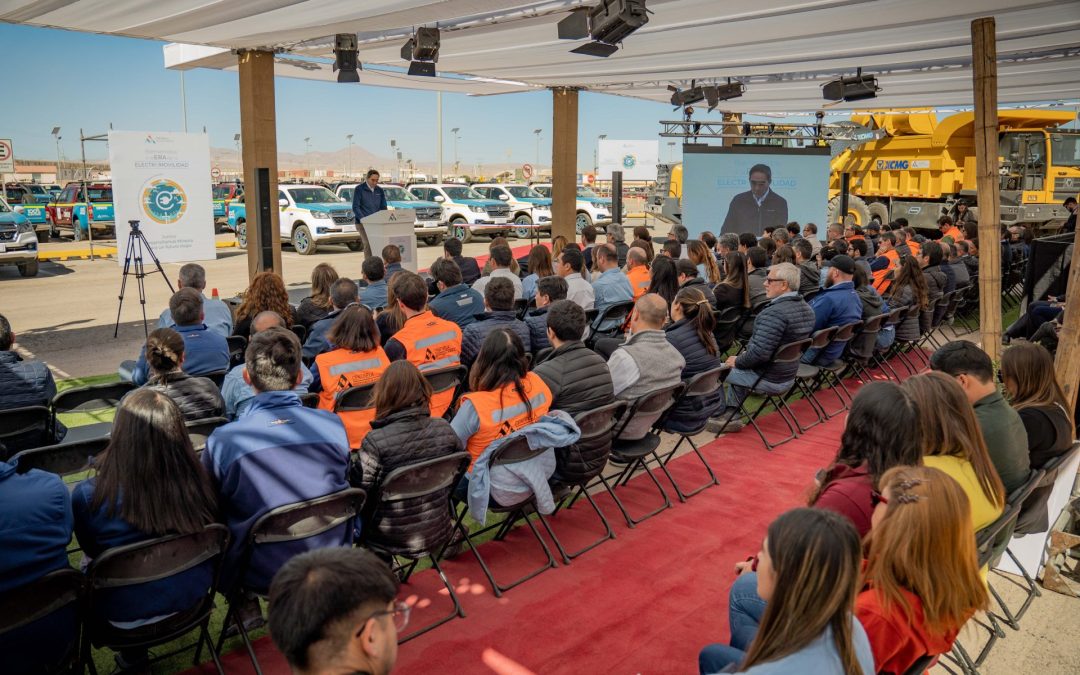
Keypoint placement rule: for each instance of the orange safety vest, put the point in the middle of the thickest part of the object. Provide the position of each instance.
(639, 280)
(432, 343)
(502, 412)
(955, 232)
(342, 369)
(881, 281)
(915, 247)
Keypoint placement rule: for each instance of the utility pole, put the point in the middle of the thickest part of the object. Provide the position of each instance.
(348, 156)
(56, 137)
(438, 99)
(537, 132)
(239, 159)
(596, 155)
(455, 131)
(183, 100)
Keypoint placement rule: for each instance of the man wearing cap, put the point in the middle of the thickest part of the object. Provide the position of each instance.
(836, 305)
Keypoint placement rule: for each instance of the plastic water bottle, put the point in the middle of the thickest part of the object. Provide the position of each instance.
(214, 294)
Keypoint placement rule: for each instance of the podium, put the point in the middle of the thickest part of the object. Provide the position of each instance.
(385, 228)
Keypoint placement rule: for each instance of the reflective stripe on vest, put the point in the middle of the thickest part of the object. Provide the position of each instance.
(498, 420)
(431, 343)
(341, 369)
(639, 281)
(881, 281)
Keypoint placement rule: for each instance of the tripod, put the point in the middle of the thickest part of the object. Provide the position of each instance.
(136, 245)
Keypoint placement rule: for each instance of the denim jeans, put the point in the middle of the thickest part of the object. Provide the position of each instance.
(739, 383)
(885, 338)
(745, 610)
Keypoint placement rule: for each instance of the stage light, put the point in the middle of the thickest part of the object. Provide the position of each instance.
(685, 97)
(422, 52)
(346, 62)
(723, 92)
(856, 88)
(607, 25)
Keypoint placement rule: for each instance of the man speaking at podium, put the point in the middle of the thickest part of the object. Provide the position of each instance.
(368, 198)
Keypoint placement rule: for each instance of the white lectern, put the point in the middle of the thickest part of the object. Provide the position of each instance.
(386, 227)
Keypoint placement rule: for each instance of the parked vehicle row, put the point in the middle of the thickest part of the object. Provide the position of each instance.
(18, 243)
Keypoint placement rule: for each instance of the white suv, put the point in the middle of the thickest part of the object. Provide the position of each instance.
(530, 210)
(312, 215)
(467, 211)
(592, 209)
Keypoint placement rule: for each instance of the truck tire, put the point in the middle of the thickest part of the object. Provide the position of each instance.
(432, 240)
(522, 232)
(459, 229)
(355, 245)
(881, 210)
(77, 233)
(858, 211)
(29, 269)
(583, 221)
(302, 242)
(42, 235)
(241, 235)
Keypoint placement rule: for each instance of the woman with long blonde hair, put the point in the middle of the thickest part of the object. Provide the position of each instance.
(953, 442)
(265, 293)
(921, 579)
(807, 578)
(700, 255)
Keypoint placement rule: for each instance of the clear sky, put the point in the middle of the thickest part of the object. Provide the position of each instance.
(78, 80)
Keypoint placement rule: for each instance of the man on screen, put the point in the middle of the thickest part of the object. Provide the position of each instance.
(757, 208)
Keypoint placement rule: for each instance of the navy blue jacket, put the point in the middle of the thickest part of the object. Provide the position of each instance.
(366, 201)
(317, 342)
(786, 319)
(97, 532)
(836, 305)
(459, 304)
(24, 383)
(276, 453)
(470, 269)
(472, 338)
(204, 352)
(537, 322)
(691, 413)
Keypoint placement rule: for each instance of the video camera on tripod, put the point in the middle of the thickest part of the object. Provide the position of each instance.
(137, 245)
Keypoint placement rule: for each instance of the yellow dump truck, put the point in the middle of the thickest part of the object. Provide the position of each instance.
(922, 165)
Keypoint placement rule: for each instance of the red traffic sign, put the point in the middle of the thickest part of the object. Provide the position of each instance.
(527, 170)
(7, 156)
(589, 178)
(215, 172)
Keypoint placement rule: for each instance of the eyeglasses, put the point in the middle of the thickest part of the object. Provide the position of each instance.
(400, 612)
(772, 280)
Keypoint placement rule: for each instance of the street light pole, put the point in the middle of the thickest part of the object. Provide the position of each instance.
(596, 154)
(537, 132)
(440, 140)
(56, 136)
(239, 159)
(348, 156)
(307, 153)
(455, 131)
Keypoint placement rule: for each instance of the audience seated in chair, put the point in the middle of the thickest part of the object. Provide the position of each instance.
(470, 270)
(610, 284)
(266, 293)
(277, 453)
(921, 582)
(569, 265)
(907, 289)
(373, 295)
(343, 293)
(809, 273)
(646, 360)
(663, 278)
(235, 389)
(333, 610)
(930, 261)
(637, 271)
(690, 277)
(501, 259)
(317, 305)
(795, 614)
(499, 303)
(23, 383)
(219, 318)
(952, 442)
(549, 289)
(402, 433)
(836, 305)
(424, 340)
(149, 484)
(204, 351)
(757, 270)
(577, 376)
(539, 266)
(391, 258)
(455, 301)
(197, 397)
(786, 319)
(1001, 426)
(356, 360)
(692, 335)
(734, 289)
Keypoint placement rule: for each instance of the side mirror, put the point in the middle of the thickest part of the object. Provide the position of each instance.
(18, 208)
(440, 198)
(283, 203)
(503, 196)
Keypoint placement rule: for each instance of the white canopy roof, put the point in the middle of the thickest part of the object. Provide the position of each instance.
(784, 50)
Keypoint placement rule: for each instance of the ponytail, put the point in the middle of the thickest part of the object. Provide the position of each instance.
(698, 311)
(164, 350)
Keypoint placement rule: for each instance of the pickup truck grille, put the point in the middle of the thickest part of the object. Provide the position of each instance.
(343, 217)
(7, 234)
(428, 213)
(498, 211)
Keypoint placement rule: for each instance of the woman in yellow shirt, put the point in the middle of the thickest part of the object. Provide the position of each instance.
(951, 441)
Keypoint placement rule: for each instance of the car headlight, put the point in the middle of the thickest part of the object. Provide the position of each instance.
(478, 209)
(24, 226)
(320, 214)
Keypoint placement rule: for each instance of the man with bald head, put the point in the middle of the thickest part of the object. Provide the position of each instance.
(646, 360)
(238, 393)
(637, 270)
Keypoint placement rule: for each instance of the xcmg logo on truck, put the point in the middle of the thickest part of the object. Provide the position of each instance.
(901, 164)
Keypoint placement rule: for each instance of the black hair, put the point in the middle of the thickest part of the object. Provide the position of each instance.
(963, 358)
(566, 319)
(673, 248)
(446, 271)
(373, 268)
(272, 360)
(931, 250)
(322, 595)
(761, 168)
(499, 294)
(859, 245)
(793, 229)
(572, 257)
(7, 336)
(502, 255)
(747, 239)
(687, 268)
(501, 362)
(588, 233)
(344, 292)
(554, 287)
(452, 246)
(186, 306)
(757, 257)
(804, 248)
(663, 279)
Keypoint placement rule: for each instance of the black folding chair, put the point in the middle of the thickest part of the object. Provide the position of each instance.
(901, 348)
(237, 347)
(63, 590)
(300, 331)
(577, 465)
(745, 328)
(521, 307)
(860, 352)
(388, 531)
(200, 430)
(880, 358)
(64, 459)
(830, 373)
(289, 523)
(217, 377)
(25, 428)
(510, 451)
(154, 560)
(91, 398)
(309, 400)
(806, 379)
(921, 665)
(447, 379)
(726, 326)
(615, 315)
(702, 384)
(355, 399)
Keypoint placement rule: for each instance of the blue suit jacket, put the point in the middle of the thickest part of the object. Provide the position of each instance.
(366, 201)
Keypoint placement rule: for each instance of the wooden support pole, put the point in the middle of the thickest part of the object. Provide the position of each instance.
(258, 131)
(1067, 362)
(564, 162)
(984, 61)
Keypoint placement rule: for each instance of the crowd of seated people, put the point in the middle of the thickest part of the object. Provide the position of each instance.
(933, 458)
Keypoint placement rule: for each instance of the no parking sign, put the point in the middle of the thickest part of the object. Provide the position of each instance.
(7, 156)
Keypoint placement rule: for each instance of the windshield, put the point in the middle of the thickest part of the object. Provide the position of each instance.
(100, 194)
(523, 192)
(1065, 149)
(462, 192)
(397, 194)
(38, 190)
(221, 191)
(312, 195)
(586, 192)
(4, 208)
(544, 190)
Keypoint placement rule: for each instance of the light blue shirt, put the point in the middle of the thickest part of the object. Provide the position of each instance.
(611, 288)
(528, 286)
(820, 657)
(238, 393)
(216, 315)
(374, 294)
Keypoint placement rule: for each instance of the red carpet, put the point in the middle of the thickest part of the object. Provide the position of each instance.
(645, 602)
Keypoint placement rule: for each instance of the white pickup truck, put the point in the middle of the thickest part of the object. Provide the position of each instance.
(312, 215)
(592, 209)
(467, 211)
(529, 210)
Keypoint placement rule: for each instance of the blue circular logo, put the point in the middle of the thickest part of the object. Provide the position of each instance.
(629, 161)
(164, 201)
